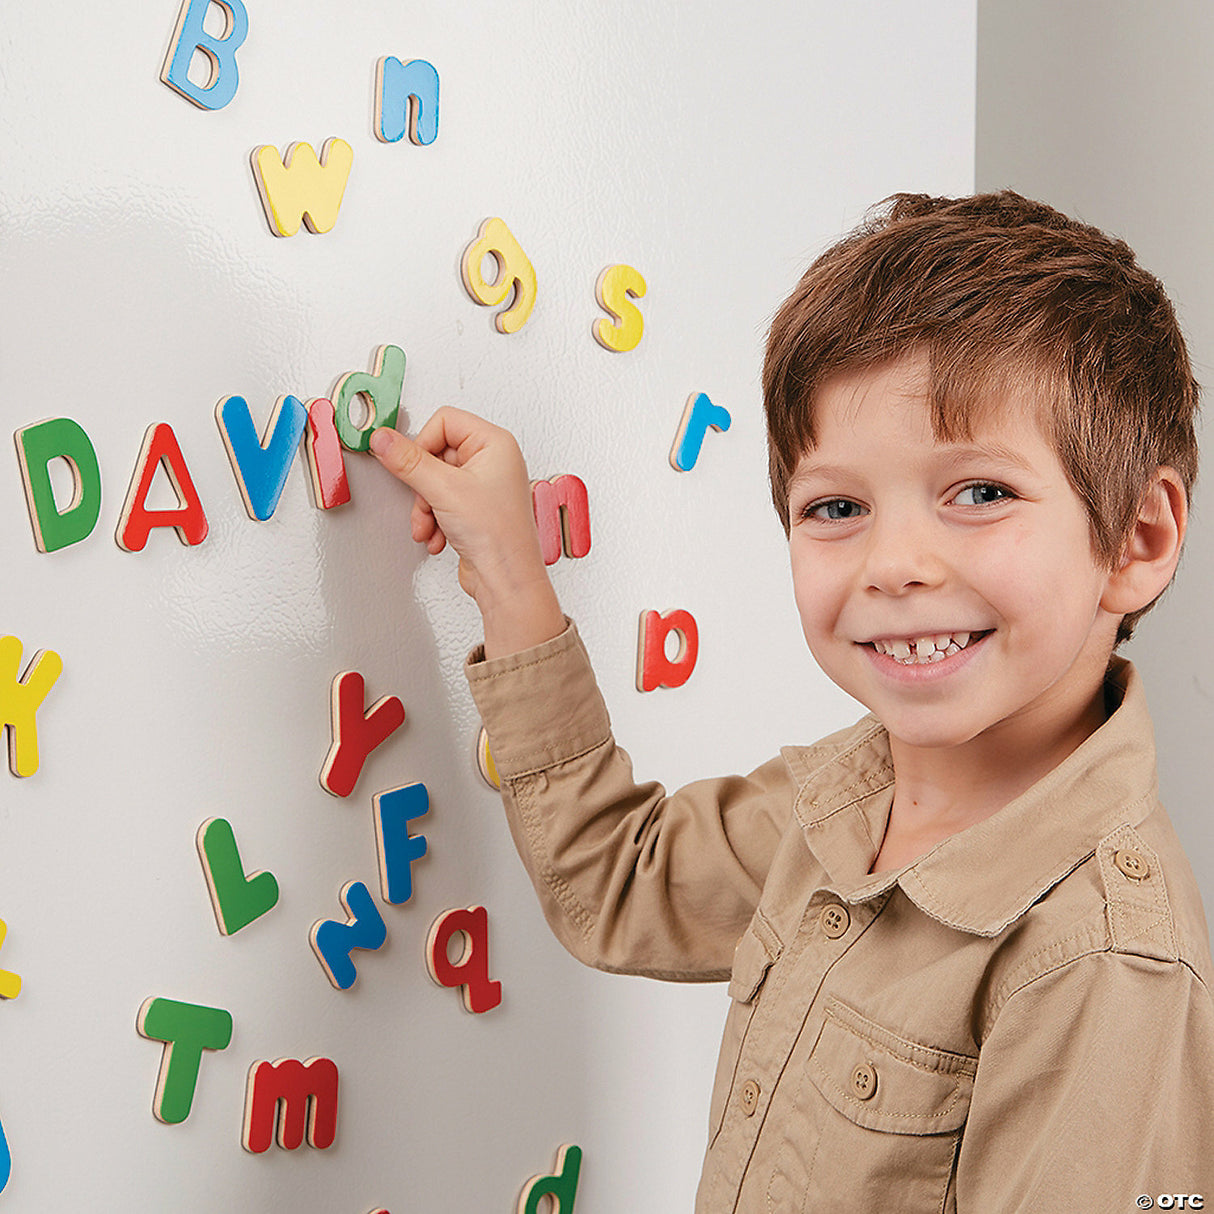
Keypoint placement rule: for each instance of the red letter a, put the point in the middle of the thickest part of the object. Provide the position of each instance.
(160, 447)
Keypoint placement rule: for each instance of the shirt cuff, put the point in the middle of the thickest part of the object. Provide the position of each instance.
(540, 706)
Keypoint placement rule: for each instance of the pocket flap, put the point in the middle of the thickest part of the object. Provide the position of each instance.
(882, 1081)
(754, 956)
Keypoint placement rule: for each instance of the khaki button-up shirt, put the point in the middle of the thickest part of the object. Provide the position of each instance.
(1020, 1020)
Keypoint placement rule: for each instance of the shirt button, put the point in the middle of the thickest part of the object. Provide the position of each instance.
(750, 1097)
(835, 921)
(864, 1081)
(1132, 863)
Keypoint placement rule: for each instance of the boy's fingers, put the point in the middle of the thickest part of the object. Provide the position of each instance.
(422, 522)
(448, 429)
(408, 461)
(421, 507)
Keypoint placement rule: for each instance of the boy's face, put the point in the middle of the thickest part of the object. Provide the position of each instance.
(976, 551)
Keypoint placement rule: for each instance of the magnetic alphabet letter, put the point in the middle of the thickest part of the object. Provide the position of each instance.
(10, 983)
(6, 1161)
(37, 445)
(189, 36)
(381, 390)
(471, 971)
(160, 447)
(654, 667)
(332, 942)
(299, 188)
(397, 848)
(514, 271)
(561, 1186)
(698, 415)
(616, 288)
(406, 101)
(307, 1092)
(562, 515)
(20, 700)
(261, 464)
(355, 733)
(485, 763)
(186, 1030)
(236, 899)
(326, 464)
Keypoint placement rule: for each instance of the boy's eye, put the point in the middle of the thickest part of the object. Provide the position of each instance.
(836, 510)
(981, 493)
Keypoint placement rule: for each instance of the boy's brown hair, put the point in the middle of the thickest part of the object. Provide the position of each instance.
(1000, 293)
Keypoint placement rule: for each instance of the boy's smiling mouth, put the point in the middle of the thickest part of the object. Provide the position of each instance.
(925, 648)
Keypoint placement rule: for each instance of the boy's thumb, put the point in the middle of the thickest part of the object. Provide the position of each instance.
(405, 459)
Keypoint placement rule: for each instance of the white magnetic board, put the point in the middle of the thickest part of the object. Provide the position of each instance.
(712, 147)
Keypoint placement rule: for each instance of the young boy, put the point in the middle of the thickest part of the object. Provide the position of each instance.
(968, 962)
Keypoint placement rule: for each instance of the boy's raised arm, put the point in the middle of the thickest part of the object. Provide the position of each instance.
(631, 879)
(472, 491)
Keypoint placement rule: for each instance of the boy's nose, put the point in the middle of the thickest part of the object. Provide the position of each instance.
(903, 558)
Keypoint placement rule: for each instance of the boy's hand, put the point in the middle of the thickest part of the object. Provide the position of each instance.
(472, 491)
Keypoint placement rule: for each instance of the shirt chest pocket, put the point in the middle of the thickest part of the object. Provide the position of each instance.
(889, 1117)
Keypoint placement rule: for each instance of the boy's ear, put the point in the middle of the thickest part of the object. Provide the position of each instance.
(1153, 548)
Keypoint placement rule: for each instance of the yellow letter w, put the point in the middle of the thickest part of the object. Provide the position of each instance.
(299, 187)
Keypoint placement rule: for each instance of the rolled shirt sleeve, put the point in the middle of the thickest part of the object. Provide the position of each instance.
(631, 879)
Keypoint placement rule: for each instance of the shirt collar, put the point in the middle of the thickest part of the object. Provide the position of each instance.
(985, 877)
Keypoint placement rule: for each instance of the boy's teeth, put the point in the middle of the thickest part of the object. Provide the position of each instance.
(919, 650)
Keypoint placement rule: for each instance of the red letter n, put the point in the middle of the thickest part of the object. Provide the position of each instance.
(562, 514)
(307, 1092)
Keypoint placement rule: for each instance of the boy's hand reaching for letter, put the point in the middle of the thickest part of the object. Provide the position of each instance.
(471, 490)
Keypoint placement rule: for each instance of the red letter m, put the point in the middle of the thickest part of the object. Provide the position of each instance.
(307, 1092)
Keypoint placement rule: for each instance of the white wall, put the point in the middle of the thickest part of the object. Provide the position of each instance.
(714, 147)
(1100, 107)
